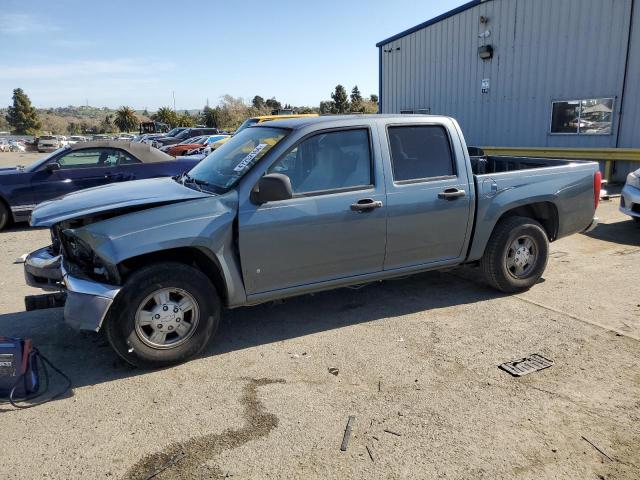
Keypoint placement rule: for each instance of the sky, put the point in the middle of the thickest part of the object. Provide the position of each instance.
(129, 52)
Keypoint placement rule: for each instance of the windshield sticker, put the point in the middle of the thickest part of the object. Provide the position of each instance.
(247, 160)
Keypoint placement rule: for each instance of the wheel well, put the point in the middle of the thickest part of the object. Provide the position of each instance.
(5, 204)
(544, 212)
(192, 256)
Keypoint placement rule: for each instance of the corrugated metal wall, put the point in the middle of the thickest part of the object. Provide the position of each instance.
(544, 50)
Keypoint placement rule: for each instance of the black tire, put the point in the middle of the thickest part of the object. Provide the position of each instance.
(120, 324)
(4, 215)
(495, 259)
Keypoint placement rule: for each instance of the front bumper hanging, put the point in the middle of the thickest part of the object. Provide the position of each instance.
(87, 301)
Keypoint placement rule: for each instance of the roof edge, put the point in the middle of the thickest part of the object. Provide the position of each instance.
(439, 18)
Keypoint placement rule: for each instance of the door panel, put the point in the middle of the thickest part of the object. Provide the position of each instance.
(317, 235)
(428, 199)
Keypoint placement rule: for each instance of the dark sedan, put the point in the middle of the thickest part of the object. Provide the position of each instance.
(79, 166)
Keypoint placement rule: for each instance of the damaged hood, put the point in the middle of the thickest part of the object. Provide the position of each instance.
(113, 197)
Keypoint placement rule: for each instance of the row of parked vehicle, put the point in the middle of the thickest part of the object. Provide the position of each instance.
(49, 143)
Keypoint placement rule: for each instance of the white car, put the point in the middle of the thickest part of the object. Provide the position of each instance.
(16, 146)
(630, 197)
(4, 145)
(127, 137)
(73, 139)
(49, 143)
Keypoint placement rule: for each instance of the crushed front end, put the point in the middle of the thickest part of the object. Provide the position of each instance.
(69, 265)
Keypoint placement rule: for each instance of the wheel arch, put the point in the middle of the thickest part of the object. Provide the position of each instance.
(545, 213)
(192, 256)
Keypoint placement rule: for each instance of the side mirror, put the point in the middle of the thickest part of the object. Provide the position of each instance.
(52, 167)
(271, 188)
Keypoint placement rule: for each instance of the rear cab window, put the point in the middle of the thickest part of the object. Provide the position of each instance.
(420, 153)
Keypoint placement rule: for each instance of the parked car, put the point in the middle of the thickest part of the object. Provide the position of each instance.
(191, 144)
(79, 166)
(4, 145)
(17, 146)
(630, 197)
(249, 122)
(49, 143)
(171, 133)
(184, 135)
(73, 139)
(295, 207)
(126, 137)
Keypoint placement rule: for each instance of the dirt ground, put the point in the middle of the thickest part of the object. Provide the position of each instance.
(417, 366)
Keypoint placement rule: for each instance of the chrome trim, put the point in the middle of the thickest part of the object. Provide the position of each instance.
(23, 208)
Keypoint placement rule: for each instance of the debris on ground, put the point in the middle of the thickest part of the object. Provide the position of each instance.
(597, 448)
(334, 371)
(392, 432)
(526, 365)
(370, 453)
(347, 433)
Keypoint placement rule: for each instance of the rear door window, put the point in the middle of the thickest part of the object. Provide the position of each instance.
(420, 152)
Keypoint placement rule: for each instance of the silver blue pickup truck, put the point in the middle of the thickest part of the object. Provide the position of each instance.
(298, 206)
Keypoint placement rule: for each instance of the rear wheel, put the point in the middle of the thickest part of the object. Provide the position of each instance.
(165, 314)
(4, 216)
(516, 254)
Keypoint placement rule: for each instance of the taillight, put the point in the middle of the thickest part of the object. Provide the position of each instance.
(597, 184)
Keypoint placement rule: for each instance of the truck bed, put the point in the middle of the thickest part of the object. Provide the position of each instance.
(483, 164)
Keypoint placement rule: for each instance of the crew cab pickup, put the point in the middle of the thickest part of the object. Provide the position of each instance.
(293, 207)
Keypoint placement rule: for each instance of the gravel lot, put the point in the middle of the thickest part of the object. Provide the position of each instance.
(417, 357)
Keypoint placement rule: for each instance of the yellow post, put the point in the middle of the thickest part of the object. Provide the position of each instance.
(607, 170)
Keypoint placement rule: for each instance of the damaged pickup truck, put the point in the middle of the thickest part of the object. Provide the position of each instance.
(299, 206)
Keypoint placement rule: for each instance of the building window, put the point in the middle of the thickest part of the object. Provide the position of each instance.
(419, 111)
(582, 117)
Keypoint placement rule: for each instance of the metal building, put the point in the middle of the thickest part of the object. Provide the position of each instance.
(525, 73)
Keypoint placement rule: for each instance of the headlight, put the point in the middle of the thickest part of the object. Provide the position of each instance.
(633, 179)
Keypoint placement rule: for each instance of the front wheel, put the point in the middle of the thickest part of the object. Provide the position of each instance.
(4, 216)
(165, 314)
(516, 254)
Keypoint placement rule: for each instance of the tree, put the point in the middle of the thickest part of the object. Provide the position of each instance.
(21, 115)
(186, 120)
(273, 104)
(209, 117)
(74, 128)
(166, 115)
(373, 98)
(327, 107)
(356, 100)
(340, 99)
(126, 119)
(107, 125)
(258, 102)
(145, 112)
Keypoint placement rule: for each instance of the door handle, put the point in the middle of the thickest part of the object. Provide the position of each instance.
(451, 194)
(366, 204)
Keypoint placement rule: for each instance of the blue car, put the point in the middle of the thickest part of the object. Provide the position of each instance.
(79, 166)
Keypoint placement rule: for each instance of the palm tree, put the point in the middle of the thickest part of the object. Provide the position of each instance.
(126, 119)
(166, 115)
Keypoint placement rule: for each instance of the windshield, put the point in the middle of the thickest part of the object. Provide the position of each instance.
(185, 134)
(191, 140)
(173, 132)
(225, 166)
(247, 123)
